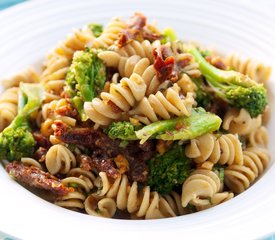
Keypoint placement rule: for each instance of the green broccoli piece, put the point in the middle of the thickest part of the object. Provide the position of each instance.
(168, 35)
(203, 98)
(182, 128)
(96, 29)
(169, 170)
(219, 170)
(205, 53)
(233, 87)
(122, 130)
(85, 79)
(16, 140)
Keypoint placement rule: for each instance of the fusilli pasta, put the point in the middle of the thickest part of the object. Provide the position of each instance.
(215, 200)
(59, 159)
(8, 106)
(109, 35)
(105, 207)
(143, 203)
(202, 184)
(31, 162)
(50, 113)
(58, 62)
(240, 122)
(130, 122)
(240, 177)
(256, 70)
(82, 183)
(258, 137)
(143, 49)
(134, 64)
(120, 98)
(163, 105)
(28, 75)
(223, 149)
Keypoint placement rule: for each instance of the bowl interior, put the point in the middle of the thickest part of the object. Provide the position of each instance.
(32, 29)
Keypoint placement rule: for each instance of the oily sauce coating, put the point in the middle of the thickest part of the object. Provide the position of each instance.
(101, 164)
(34, 177)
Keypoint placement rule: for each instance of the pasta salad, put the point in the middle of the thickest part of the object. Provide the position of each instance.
(128, 121)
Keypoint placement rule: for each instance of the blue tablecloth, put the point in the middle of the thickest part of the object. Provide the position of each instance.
(7, 3)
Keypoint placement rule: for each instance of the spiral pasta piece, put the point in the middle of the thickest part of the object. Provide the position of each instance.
(120, 98)
(59, 60)
(202, 184)
(224, 149)
(258, 137)
(105, 207)
(141, 204)
(213, 201)
(31, 162)
(109, 35)
(8, 106)
(73, 200)
(142, 66)
(172, 201)
(87, 176)
(143, 49)
(59, 159)
(28, 75)
(238, 178)
(240, 122)
(134, 64)
(186, 84)
(50, 111)
(255, 70)
(192, 68)
(82, 182)
(49, 114)
(163, 106)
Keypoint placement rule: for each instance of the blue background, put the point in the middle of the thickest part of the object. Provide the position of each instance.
(7, 3)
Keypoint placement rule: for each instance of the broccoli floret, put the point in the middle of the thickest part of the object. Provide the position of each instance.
(169, 170)
(96, 29)
(233, 87)
(16, 140)
(122, 130)
(182, 128)
(85, 79)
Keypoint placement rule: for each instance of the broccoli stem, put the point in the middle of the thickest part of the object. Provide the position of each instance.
(16, 140)
(150, 131)
(34, 96)
(168, 35)
(199, 123)
(235, 88)
(78, 103)
(182, 128)
(215, 75)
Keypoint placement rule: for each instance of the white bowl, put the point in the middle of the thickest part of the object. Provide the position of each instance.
(29, 30)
